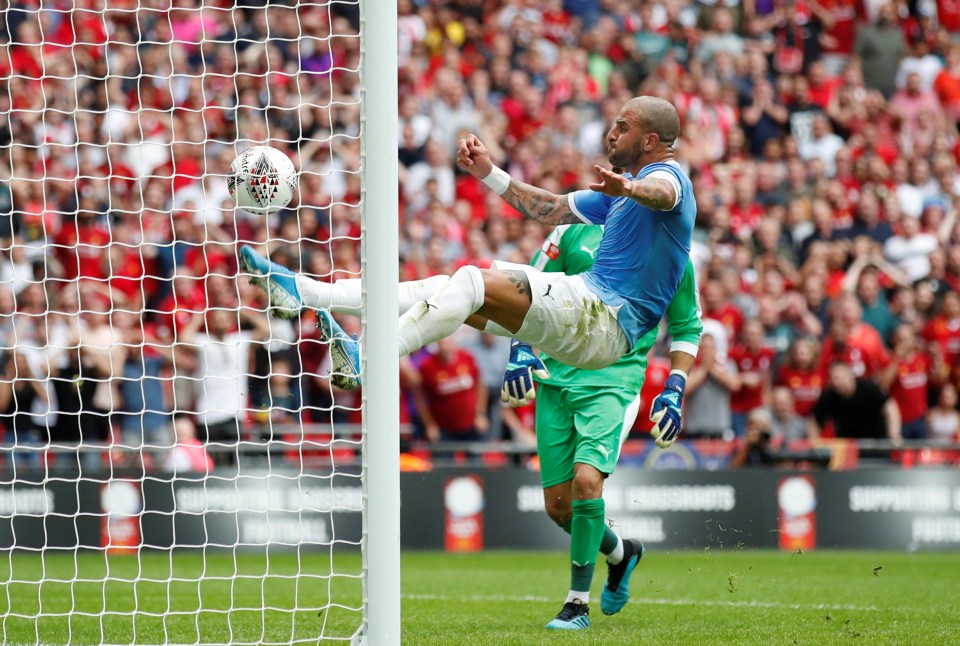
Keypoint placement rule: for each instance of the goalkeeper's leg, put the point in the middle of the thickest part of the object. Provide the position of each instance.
(582, 519)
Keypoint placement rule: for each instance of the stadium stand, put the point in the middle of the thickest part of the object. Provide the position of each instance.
(822, 138)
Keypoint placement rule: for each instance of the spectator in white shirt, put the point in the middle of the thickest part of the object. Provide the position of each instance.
(920, 61)
(823, 145)
(910, 249)
(221, 381)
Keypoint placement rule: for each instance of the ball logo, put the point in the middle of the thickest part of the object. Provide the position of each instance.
(264, 181)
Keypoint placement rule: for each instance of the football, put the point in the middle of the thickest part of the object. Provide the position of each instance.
(262, 180)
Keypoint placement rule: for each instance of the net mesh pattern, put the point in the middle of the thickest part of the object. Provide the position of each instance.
(176, 467)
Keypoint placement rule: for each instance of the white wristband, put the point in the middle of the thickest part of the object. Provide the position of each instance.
(498, 180)
(677, 371)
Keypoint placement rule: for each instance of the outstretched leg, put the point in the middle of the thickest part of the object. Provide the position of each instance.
(431, 309)
(500, 296)
(290, 293)
(345, 296)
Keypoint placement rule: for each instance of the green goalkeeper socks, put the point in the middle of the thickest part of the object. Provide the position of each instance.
(586, 533)
(609, 541)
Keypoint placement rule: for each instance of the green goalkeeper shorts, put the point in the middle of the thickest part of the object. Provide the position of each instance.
(586, 424)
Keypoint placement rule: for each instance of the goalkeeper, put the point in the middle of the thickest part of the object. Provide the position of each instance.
(583, 416)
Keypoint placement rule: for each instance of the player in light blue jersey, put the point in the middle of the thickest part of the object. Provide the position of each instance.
(587, 321)
(639, 243)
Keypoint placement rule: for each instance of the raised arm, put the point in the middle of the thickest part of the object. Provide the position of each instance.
(539, 205)
(532, 202)
(188, 333)
(259, 323)
(652, 192)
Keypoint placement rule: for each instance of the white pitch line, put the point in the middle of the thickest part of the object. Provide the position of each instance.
(651, 602)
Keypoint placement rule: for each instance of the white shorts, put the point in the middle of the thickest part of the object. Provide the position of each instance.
(568, 321)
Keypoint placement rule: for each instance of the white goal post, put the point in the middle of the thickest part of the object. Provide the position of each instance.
(381, 448)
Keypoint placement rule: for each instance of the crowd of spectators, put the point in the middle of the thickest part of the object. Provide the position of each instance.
(821, 137)
(823, 144)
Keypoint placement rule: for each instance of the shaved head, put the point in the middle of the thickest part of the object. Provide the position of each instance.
(657, 116)
(643, 133)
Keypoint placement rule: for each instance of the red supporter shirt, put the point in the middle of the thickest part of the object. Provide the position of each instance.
(25, 61)
(945, 333)
(122, 179)
(844, 29)
(556, 24)
(947, 88)
(909, 388)
(745, 217)
(81, 249)
(729, 316)
(748, 398)
(207, 260)
(451, 390)
(482, 263)
(948, 14)
(805, 385)
(176, 311)
(181, 172)
(128, 275)
(864, 352)
(470, 189)
(822, 94)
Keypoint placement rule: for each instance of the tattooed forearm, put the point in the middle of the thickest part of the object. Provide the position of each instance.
(539, 205)
(520, 281)
(654, 193)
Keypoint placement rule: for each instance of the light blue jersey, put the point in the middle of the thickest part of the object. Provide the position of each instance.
(643, 253)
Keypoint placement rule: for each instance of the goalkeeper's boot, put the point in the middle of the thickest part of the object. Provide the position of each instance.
(344, 352)
(616, 590)
(574, 616)
(277, 281)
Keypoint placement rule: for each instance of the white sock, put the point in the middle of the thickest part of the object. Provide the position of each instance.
(439, 317)
(616, 555)
(345, 296)
(339, 296)
(576, 595)
(496, 329)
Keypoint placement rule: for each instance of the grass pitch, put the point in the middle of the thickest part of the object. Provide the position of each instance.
(495, 598)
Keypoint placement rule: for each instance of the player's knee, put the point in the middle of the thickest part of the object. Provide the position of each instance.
(587, 482)
(470, 277)
(467, 285)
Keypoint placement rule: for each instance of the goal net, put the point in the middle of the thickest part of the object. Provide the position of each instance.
(176, 467)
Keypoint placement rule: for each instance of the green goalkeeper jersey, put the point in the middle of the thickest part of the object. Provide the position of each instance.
(571, 249)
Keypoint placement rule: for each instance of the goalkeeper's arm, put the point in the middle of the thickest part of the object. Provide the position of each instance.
(685, 326)
(684, 322)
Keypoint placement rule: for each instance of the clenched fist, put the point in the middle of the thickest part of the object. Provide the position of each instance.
(473, 156)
